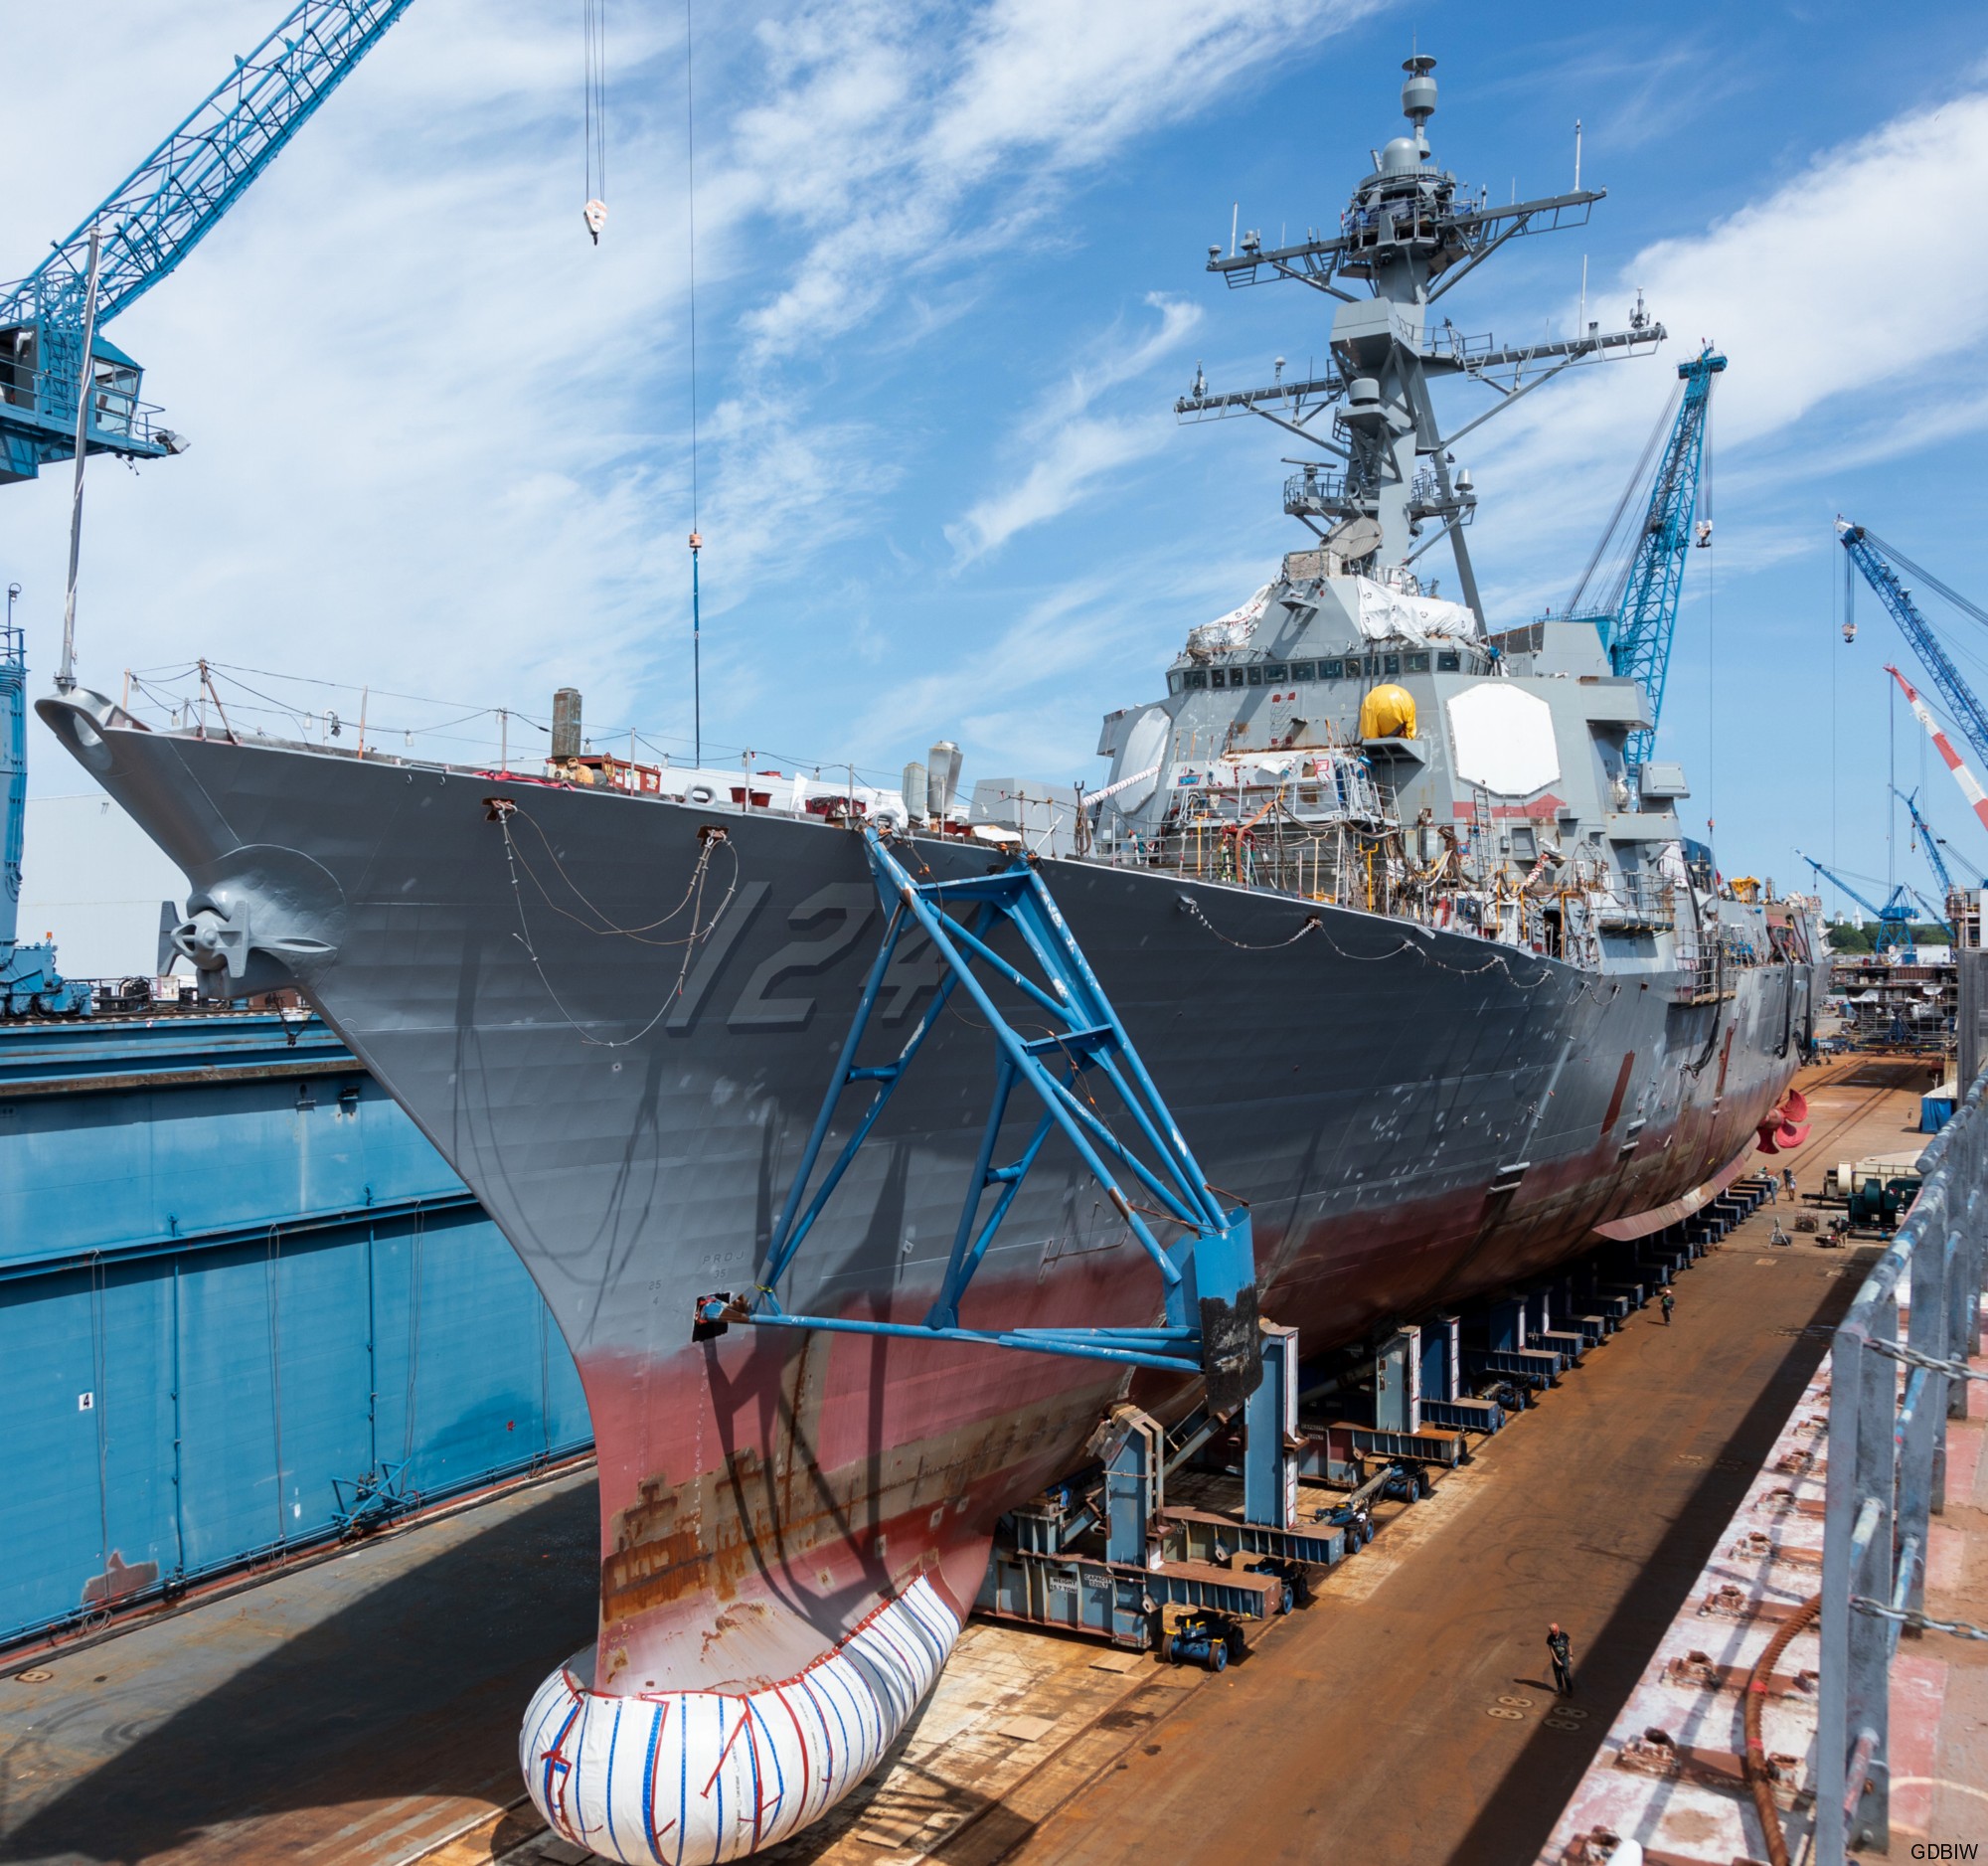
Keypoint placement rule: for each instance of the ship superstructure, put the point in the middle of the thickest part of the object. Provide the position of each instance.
(1349, 735)
(1424, 969)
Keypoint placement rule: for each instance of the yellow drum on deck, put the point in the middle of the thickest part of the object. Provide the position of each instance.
(1387, 713)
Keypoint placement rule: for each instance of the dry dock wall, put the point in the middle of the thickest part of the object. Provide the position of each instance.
(240, 1299)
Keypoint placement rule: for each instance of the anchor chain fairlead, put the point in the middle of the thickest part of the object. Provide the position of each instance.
(1207, 1270)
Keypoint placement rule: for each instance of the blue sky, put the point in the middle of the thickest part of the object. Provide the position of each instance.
(950, 281)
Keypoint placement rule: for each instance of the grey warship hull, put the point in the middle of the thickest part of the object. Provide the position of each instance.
(1399, 915)
(1412, 1115)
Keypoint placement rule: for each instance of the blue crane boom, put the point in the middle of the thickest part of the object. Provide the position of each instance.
(1896, 914)
(1928, 840)
(149, 223)
(1875, 558)
(1895, 909)
(1638, 625)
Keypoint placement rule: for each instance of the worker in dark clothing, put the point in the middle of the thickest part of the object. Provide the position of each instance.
(1788, 1181)
(1562, 1649)
(1668, 1304)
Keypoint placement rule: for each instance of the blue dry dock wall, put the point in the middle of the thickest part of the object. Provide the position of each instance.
(242, 1301)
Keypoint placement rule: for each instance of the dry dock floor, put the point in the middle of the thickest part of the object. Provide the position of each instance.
(367, 1709)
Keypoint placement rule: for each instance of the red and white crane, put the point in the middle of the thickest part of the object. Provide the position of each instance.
(1971, 786)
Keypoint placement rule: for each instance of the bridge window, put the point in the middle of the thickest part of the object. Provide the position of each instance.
(1449, 661)
(1304, 670)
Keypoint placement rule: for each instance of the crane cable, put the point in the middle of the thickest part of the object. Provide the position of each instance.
(695, 538)
(1644, 481)
(593, 35)
(1704, 539)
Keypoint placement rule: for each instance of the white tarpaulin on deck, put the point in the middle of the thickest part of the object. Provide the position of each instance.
(1232, 630)
(1385, 612)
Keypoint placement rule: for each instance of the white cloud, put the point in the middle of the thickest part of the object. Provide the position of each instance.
(1077, 455)
(1027, 690)
(1800, 285)
(1807, 291)
(439, 440)
(1109, 364)
(412, 386)
(1070, 449)
(875, 133)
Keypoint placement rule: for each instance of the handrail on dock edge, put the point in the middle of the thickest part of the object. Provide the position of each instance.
(1890, 1398)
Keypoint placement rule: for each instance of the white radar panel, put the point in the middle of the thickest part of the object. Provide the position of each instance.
(1504, 739)
(1145, 746)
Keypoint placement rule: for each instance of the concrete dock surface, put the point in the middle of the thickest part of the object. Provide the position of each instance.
(355, 1709)
(367, 1709)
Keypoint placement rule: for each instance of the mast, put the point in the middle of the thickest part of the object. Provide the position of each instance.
(1384, 490)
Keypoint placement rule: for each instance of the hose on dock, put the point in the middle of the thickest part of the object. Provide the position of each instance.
(1758, 1779)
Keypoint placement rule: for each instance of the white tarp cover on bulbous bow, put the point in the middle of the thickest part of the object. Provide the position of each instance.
(710, 1775)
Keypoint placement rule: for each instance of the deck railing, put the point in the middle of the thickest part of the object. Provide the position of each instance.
(1890, 1394)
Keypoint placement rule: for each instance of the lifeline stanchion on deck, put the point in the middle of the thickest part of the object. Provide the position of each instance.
(1886, 1469)
(1208, 1273)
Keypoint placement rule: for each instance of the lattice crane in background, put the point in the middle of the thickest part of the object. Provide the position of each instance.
(1875, 558)
(148, 224)
(1928, 841)
(1895, 916)
(1639, 616)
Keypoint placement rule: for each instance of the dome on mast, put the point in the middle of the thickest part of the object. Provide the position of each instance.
(1418, 92)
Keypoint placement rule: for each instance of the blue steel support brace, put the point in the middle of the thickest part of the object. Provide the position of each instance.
(1207, 1272)
(1134, 1485)
(1271, 1439)
(1396, 1377)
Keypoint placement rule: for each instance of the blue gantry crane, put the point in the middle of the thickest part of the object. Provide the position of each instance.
(1895, 916)
(1639, 619)
(1876, 559)
(146, 225)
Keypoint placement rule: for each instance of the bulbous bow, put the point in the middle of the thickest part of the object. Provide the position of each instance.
(678, 1776)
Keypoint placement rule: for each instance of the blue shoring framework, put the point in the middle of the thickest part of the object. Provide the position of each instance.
(1209, 1271)
(154, 218)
